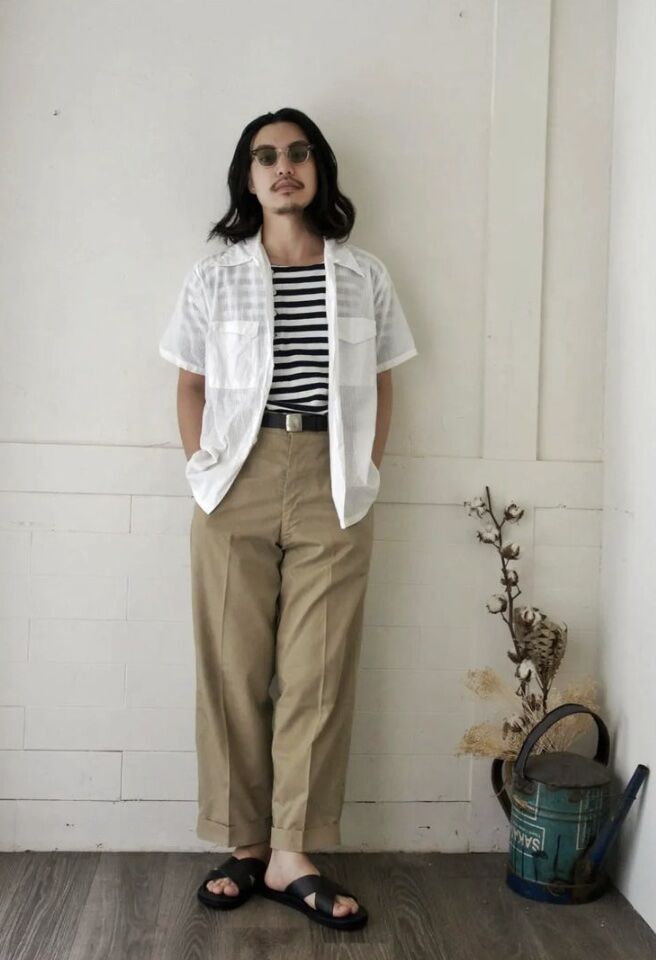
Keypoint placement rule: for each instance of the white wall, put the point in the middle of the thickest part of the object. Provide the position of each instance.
(627, 597)
(474, 139)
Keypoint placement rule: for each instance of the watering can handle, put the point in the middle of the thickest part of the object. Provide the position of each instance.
(603, 740)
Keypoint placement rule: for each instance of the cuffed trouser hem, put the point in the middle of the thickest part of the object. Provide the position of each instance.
(315, 838)
(235, 834)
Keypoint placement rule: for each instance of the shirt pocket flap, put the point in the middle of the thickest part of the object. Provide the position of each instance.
(355, 329)
(247, 328)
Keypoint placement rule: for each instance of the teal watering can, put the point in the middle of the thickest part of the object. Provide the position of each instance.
(560, 827)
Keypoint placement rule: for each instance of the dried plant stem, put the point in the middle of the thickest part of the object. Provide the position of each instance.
(504, 566)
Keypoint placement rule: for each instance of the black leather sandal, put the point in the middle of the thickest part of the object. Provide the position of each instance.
(247, 873)
(326, 894)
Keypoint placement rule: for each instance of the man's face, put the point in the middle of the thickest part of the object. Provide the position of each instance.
(267, 182)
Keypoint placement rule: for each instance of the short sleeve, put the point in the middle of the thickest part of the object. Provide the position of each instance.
(394, 340)
(183, 341)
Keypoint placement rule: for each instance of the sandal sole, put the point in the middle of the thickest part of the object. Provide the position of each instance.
(221, 901)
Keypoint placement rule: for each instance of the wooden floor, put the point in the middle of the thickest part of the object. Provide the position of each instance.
(143, 906)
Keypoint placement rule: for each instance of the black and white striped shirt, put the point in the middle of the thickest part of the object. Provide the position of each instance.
(300, 340)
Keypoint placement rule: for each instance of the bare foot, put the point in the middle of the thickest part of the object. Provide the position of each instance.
(285, 866)
(224, 884)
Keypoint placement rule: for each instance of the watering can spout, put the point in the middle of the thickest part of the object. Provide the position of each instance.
(588, 865)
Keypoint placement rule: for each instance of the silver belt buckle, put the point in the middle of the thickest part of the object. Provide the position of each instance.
(293, 421)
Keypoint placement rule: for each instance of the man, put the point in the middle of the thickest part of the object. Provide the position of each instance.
(285, 344)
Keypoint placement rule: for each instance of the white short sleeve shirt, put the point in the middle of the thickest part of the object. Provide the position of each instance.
(222, 327)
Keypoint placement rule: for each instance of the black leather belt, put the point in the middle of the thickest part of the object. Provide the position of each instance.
(295, 421)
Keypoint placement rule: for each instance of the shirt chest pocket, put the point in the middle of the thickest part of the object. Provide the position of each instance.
(232, 353)
(357, 350)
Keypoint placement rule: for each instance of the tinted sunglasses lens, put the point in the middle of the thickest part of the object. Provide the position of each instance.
(266, 157)
(298, 152)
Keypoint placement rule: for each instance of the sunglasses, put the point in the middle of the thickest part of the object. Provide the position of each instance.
(297, 152)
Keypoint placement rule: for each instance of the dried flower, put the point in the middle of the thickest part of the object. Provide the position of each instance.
(529, 616)
(497, 603)
(488, 535)
(505, 740)
(512, 513)
(510, 551)
(476, 507)
(487, 684)
(539, 646)
(525, 669)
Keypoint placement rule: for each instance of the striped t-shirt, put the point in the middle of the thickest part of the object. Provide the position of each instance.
(300, 340)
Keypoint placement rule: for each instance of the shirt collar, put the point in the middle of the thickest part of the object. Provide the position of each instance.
(252, 249)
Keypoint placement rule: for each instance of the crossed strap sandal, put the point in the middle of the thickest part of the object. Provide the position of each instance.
(326, 894)
(247, 873)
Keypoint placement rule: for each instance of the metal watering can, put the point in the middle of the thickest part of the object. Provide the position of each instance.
(560, 829)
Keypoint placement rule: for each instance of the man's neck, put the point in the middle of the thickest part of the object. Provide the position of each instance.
(291, 247)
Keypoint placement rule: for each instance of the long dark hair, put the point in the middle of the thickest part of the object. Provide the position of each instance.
(330, 214)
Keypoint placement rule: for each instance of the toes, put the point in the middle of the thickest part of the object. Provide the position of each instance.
(347, 904)
(341, 907)
(222, 886)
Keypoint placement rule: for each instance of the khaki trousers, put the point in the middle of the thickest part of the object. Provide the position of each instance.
(278, 589)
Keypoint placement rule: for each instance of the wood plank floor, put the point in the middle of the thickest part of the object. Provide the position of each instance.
(143, 906)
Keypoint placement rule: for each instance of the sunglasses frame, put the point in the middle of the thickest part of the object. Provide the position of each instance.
(255, 153)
